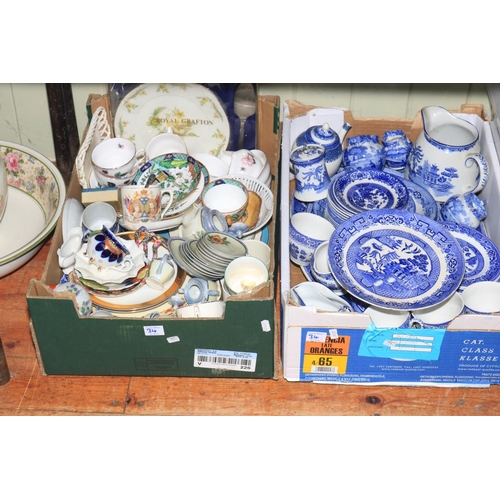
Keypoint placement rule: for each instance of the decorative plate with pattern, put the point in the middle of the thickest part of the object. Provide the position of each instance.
(482, 257)
(191, 110)
(396, 259)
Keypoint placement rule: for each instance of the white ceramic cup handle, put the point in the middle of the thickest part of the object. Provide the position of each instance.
(483, 170)
(170, 200)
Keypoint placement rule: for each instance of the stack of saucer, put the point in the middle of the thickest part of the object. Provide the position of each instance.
(354, 191)
(208, 256)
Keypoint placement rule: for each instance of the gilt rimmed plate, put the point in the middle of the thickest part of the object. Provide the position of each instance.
(482, 257)
(191, 110)
(396, 259)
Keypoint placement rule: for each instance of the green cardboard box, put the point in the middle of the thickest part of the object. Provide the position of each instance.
(242, 344)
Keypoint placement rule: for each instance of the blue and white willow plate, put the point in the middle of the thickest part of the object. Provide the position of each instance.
(482, 257)
(396, 259)
(369, 189)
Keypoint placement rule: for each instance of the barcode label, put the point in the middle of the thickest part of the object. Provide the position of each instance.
(229, 360)
(324, 369)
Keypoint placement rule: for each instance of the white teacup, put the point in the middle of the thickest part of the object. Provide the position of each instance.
(96, 215)
(439, 315)
(115, 157)
(215, 166)
(144, 204)
(245, 273)
(245, 162)
(160, 272)
(202, 310)
(482, 297)
(260, 250)
(388, 318)
(161, 144)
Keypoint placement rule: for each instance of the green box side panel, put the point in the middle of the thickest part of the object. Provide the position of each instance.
(73, 345)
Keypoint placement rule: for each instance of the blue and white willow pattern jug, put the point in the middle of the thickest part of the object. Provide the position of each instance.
(446, 158)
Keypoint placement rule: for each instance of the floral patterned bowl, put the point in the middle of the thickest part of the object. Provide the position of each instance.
(36, 194)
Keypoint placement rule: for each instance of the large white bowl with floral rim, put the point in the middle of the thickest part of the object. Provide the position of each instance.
(35, 201)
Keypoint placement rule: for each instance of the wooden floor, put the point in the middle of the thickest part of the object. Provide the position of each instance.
(30, 393)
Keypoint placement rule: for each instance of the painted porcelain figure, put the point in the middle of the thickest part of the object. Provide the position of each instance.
(446, 157)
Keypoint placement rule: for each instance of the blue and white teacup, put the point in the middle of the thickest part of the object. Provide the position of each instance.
(439, 315)
(307, 232)
(320, 270)
(317, 207)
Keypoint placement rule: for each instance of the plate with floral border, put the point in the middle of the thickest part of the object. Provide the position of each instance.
(396, 259)
(192, 111)
(482, 257)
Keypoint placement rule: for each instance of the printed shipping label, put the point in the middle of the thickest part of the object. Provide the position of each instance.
(228, 360)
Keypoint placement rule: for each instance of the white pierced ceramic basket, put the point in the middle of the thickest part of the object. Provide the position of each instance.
(266, 195)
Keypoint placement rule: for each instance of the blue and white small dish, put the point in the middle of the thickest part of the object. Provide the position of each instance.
(396, 259)
(368, 189)
(425, 203)
(482, 257)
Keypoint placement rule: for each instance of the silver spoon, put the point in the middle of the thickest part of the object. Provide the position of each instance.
(245, 104)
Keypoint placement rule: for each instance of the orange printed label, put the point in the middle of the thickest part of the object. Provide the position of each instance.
(328, 356)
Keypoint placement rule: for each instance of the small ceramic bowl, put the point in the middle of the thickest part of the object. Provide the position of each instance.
(111, 181)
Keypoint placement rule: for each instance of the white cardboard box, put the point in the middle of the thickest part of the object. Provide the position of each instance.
(468, 354)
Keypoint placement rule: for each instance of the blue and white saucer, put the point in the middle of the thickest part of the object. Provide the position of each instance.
(482, 257)
(396, 259)
(425, 203)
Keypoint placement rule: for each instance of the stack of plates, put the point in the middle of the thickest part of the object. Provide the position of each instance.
(208, 256)
(352, 192)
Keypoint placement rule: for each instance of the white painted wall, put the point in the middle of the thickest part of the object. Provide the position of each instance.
(25, 119)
